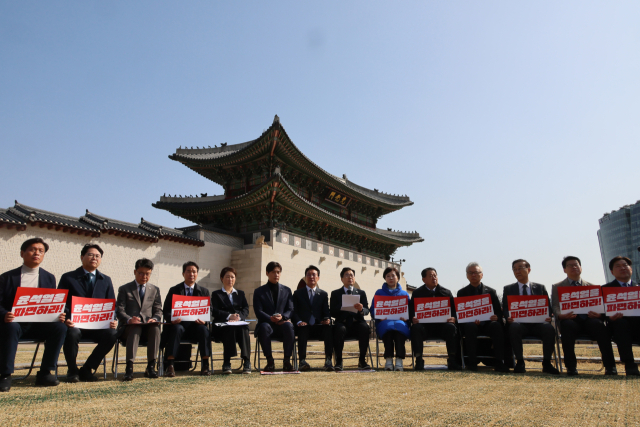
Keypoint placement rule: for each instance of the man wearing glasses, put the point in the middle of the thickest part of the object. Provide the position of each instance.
(493, 327)
(572, 325)
(516, 331)
(87, 282)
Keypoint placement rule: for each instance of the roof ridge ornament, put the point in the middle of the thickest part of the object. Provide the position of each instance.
(276, 119)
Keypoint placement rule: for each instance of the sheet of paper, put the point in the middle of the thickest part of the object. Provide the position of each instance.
(348, 301)
(238, 323)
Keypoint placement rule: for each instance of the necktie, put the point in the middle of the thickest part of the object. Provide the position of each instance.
(141, 292)
(525, 290)
(312, 319)
(90, 278)
(189, 292)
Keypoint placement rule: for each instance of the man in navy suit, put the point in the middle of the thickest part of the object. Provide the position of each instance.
(87, 282)
(516, 331)
(273, 305)
(626, 329)
(29, 275)
(312, 318)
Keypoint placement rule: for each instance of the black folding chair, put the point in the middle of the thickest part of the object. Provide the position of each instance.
(33, 360)
(536, 340)
(378, 341)
(115, 362)
(294, 356)
(582, 340)
(215, 337)
(478, 356)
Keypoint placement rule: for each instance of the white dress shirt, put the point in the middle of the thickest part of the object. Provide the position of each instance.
(520, 285)
(230, 295)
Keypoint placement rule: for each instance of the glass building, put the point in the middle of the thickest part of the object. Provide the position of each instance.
(619, 234)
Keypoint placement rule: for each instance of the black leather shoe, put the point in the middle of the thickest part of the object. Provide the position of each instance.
(271, 367)
(150, 372)
(453, 365)
(246, 367)
(72, 377)
(226, 368)
(520, 368)
(85, 375)
(419, 366)
(287, 366)
(206, 372)
(611, 371)
(170, 372)
(128, 373)
(304, 366)
(328, 366)
(46, 380)
(361, 365)
(5, 383)
(632, 370)
(501, 367)
(340, 367)
(548, 368)
(573, 372)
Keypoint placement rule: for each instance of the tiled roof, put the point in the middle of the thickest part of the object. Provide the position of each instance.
(91, 224)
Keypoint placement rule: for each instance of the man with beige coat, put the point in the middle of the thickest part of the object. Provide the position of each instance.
(572, 325)
(139, 311)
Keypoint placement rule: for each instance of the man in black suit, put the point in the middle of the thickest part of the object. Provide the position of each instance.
(350, 323)
(626, 329)
(516, 331)
(573, 325)
(189, 330)
(87, 282)
(29, 275)
(273, 305)
(445, 331)
(494, 327)
(312, 318)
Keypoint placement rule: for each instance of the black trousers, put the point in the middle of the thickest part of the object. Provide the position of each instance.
(626, 331)
(187, 331)
(357, 330)
(315, 332)
(230, 335)
(394, 340)
(571, 329)
(268, 331)
(105, 338)
(444, 331)
(493, 329)
(53, 335)
(544, 331)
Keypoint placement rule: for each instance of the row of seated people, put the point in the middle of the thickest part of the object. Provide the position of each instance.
(139, 311)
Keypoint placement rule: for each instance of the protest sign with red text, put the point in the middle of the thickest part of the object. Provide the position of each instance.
(391, 308)
(190, 309)
(38, 304)
(432, 310)
(470, 309)
(528, 308)
(580, 299)
(622, 300)
(92, 313)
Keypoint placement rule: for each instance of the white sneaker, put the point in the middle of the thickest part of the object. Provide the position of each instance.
(389, 365)
(399, 366)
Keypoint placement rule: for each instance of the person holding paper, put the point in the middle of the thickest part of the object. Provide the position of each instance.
(494, 327)
(626, 329)
(312, 318)
(87, 282)
(516, 330)
(230, 305)
(420, 331)
(139, 311)
(573, 325)
(394, 333)
(189, 330)
(349, 318)
(29, 275)
(273, 305)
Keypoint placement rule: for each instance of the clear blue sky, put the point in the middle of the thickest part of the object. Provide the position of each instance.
(512, 125)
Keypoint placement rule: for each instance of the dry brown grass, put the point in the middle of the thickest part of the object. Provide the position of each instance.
(319, 398)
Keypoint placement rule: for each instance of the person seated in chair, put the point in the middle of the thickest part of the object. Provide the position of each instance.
(446, 330)
(350, 323)
(139, 311)
(273, 305)
(229, 305)
(516, 330)
(178, 330)
(87, 282)
(29, 275)
(312, 318)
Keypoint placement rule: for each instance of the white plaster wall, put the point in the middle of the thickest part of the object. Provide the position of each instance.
(119, 257)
